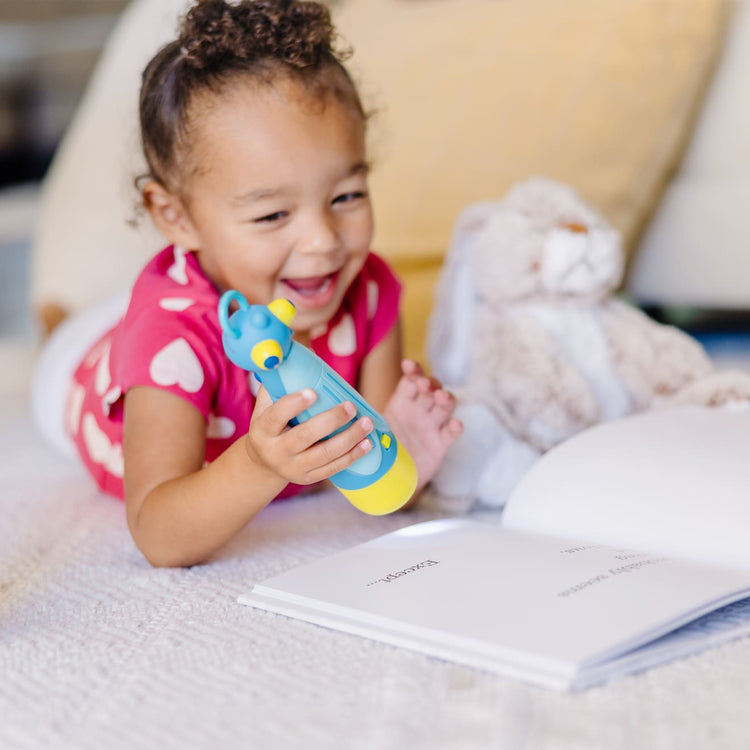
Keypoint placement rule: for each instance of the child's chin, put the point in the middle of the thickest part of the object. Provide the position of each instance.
(314, 321)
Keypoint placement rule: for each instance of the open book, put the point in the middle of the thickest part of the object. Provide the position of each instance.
(625, 546)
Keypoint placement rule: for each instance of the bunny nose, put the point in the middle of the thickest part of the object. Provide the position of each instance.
(575, 227)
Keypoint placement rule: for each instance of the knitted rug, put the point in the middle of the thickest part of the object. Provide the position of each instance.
(99, 650)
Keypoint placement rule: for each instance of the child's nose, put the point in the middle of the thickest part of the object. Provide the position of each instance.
(320, 234)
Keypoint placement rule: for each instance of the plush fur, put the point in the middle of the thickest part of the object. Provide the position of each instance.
(528, 333)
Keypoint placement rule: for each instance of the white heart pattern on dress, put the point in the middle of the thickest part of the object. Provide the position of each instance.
(74, 406)
(176, 304)
(342, 340)
(177, 364)
(372, 298)
(178, 270)
(100, 449)
(110, 398)
(220, 427)
(95, 354)
(102, 378)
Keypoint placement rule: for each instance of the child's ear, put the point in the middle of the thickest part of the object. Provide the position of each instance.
(169, 215)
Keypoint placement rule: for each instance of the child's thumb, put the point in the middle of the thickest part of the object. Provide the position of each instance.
(262, 400)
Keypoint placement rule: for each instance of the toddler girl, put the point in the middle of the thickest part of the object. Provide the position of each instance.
(254, 136)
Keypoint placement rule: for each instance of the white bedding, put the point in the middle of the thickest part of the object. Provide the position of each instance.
(98, 650)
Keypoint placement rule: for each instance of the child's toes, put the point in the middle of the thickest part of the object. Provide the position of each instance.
(410, 368)
(406, 389)
(452, 430)
(445, 399)
(443, 406)
(424, 384)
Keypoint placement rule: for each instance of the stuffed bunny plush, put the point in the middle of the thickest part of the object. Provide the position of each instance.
(527, 333)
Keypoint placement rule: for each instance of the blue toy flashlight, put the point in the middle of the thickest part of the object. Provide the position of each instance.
(259, 338)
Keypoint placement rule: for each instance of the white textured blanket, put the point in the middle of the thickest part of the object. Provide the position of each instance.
(98, 650)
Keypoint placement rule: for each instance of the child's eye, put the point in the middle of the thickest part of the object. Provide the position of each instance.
(347, 197)
(271, 218)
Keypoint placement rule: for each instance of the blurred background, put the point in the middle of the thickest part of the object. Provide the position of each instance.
(691, 266)
(48, 49)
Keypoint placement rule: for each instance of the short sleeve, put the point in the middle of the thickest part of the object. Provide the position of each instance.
(383, 295)
(167, 349)
(369, 310)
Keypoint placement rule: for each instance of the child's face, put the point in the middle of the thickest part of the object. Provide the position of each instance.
(277, 198)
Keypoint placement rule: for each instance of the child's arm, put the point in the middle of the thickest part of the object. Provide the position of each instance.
(416, 407)
(381, 370)
(180, 512)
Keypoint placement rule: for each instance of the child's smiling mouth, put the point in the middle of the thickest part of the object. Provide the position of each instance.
(312, 291)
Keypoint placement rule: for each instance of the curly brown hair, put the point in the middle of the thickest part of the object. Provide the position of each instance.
(219, 40)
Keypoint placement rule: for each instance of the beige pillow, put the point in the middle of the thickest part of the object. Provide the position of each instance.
(475, 95)
(86, 247)
(472, 96)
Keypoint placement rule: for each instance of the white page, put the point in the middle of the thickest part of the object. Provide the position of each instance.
(727, 623)
(675, 481)
(515, 603)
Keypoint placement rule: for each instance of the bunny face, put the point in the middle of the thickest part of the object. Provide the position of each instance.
(539, 245)
(543, 243)
(581, 261)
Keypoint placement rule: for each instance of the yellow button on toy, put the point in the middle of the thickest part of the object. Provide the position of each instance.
(385, 441)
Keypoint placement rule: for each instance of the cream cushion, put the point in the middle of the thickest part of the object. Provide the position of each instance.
(479, 94)
(471, 96)
(694, 250)
(88, 245)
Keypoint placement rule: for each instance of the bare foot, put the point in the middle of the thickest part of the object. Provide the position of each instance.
(420, 414)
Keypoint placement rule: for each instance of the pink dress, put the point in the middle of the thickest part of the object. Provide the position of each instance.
(170, 338)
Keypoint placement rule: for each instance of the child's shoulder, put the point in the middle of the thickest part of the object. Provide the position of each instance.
(368, 312)
(174, 281)
(172, 291)
(377, 268)
(176, 270)
(375, 279)
(170, 326)
(376, 285)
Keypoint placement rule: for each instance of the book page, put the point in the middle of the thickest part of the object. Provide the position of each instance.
(720, 626)
(516, 603)
(675, 481)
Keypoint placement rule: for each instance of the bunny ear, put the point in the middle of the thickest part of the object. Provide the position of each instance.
(451, 322)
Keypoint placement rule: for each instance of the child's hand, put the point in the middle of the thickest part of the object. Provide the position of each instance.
(299, 454)
(420, 413)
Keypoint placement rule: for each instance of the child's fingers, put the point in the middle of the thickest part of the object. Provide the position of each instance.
(319, 427)
(262, 401)
(338, 452)
(275, 416)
